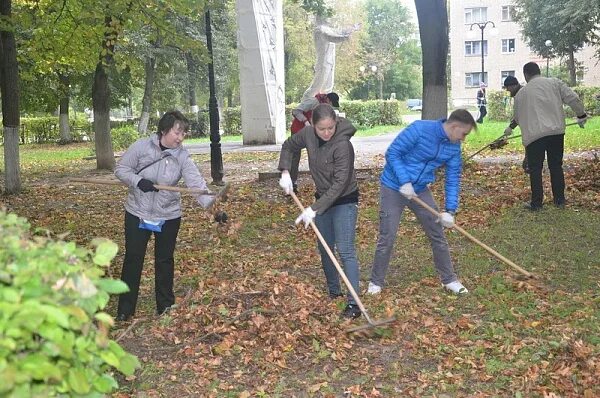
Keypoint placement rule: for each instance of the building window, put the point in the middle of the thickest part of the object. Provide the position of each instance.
(476, 14)
(508, 46)
(507, 13)
(473, 79)
(504, 74)
(473, 48)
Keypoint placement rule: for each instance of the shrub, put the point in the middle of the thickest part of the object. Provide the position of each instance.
(232, 121)
(123, 136)
(499, 106)
(53, 334)
(591, 99)
(365, 113)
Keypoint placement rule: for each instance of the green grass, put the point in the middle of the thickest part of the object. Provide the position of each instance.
(576, 139)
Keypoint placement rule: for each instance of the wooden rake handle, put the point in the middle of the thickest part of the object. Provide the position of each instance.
(475, 240)
(335, 262)
(194, 191)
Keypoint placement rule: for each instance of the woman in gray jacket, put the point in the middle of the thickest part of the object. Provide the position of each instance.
(159, 159)
(331, 164)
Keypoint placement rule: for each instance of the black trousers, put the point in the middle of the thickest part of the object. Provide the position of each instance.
(482, 113)
(136, 242)
(553, 146)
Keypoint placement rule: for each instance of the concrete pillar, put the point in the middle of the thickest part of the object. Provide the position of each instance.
(262, 80)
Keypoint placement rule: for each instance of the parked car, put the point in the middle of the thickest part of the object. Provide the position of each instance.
(413, 103)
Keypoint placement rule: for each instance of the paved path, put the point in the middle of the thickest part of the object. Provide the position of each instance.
(362, 146)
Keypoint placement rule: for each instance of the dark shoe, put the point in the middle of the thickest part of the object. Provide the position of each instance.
(560, 205)
(166, 310)
(296, 189)
(530, 207)
(351, 312)
(333, 296)
(122, 317)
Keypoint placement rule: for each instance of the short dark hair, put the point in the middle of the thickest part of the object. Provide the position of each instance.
(531, 69)
(323, 111)
(168, 120)
(462, 116)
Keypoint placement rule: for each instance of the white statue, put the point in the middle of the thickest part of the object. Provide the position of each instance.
(325, 37)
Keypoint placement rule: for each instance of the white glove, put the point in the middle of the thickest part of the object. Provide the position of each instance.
(206, 201)
(286, 183)
(306, 123)
(306, 216)
(408, 190)
(446, 219)
(508, 131)
(581, 121)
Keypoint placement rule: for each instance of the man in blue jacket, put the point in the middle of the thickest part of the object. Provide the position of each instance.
(411, 162)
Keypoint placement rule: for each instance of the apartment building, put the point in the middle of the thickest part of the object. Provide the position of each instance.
(504, 50)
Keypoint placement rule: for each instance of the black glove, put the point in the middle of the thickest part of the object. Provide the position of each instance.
(146, 185)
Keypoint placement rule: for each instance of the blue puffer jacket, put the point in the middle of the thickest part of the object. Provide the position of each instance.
(416, 153)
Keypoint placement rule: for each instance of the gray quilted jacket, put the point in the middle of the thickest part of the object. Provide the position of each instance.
(172, 165)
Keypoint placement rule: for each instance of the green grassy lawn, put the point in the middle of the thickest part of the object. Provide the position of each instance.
(576, 139)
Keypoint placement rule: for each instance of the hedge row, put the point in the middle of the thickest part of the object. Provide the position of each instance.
(46, 129)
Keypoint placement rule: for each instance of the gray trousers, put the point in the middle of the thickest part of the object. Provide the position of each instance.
(392, 204)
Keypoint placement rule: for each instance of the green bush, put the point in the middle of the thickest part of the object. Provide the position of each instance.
(499, 106)
(39, 129)
(53, 333)
(365, 113)
(123, 136)
(232, 121)
(591, 99)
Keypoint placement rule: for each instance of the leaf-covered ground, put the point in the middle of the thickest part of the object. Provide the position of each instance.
(254, 319)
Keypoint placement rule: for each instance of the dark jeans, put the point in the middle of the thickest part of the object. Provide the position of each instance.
(553, 146)
(136, 242)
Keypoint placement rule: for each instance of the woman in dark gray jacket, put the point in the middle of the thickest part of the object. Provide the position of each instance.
(159, 159)
(331, 164)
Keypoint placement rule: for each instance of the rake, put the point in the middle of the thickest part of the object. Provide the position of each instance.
(371, 323)
(475, 240)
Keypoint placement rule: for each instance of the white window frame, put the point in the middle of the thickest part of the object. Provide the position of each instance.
(472, 79)
(507, 13)
(473, 48)
(506, 46)
(504, 74)
(475, 14)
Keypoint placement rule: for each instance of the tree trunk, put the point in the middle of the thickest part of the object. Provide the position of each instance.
(433, 28)
(150, 69)
(9, 91)
(105, 157)
(63, 118)
(191, 70)
(572, 69)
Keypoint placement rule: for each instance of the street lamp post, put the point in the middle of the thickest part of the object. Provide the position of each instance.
(548, 44)
(216, 157)
(363, 69)
(482, 26)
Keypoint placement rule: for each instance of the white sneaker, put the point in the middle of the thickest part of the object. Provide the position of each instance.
(456, 287)
(373, 289)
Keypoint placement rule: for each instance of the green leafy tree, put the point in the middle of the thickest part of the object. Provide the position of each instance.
(539, 21)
